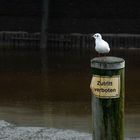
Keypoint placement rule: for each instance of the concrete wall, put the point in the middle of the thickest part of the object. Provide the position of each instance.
(20, 15)
(107, 16)
(88, 16)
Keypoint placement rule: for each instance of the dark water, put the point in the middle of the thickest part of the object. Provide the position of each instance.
(57, 94)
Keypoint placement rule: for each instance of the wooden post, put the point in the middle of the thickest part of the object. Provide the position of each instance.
(44, 31)
(44, 27)
(107, 86)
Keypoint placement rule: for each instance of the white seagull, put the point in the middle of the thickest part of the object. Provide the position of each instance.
(101, 46)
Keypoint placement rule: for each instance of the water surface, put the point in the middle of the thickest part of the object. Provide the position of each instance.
(52, 89)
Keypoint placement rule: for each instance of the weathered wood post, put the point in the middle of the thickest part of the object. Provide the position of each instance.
(107, 86)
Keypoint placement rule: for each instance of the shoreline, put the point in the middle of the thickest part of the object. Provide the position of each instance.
(13, 132)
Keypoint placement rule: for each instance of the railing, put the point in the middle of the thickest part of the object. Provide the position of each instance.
(65, 42)
(123, 40)
(19, 40)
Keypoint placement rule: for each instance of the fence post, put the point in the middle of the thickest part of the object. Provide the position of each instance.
(107, 86)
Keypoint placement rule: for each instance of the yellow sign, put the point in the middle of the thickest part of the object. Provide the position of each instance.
(105, 86)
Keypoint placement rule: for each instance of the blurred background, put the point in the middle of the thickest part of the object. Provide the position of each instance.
(45, 53)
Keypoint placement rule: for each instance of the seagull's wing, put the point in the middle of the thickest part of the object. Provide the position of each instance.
(106, 47)
(102, 46)
(104, 43)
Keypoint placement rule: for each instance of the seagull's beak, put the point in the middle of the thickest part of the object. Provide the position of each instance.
(92, 35)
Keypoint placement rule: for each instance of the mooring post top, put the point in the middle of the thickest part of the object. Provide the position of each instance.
(109, 62)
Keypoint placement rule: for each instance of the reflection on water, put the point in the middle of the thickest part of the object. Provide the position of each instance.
(59, 96)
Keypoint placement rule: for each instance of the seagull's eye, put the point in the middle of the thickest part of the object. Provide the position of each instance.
(97, 36)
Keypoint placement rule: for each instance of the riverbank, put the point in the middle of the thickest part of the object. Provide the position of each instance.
(12, 132)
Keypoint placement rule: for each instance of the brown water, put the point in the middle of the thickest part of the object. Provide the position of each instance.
(56, 94)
